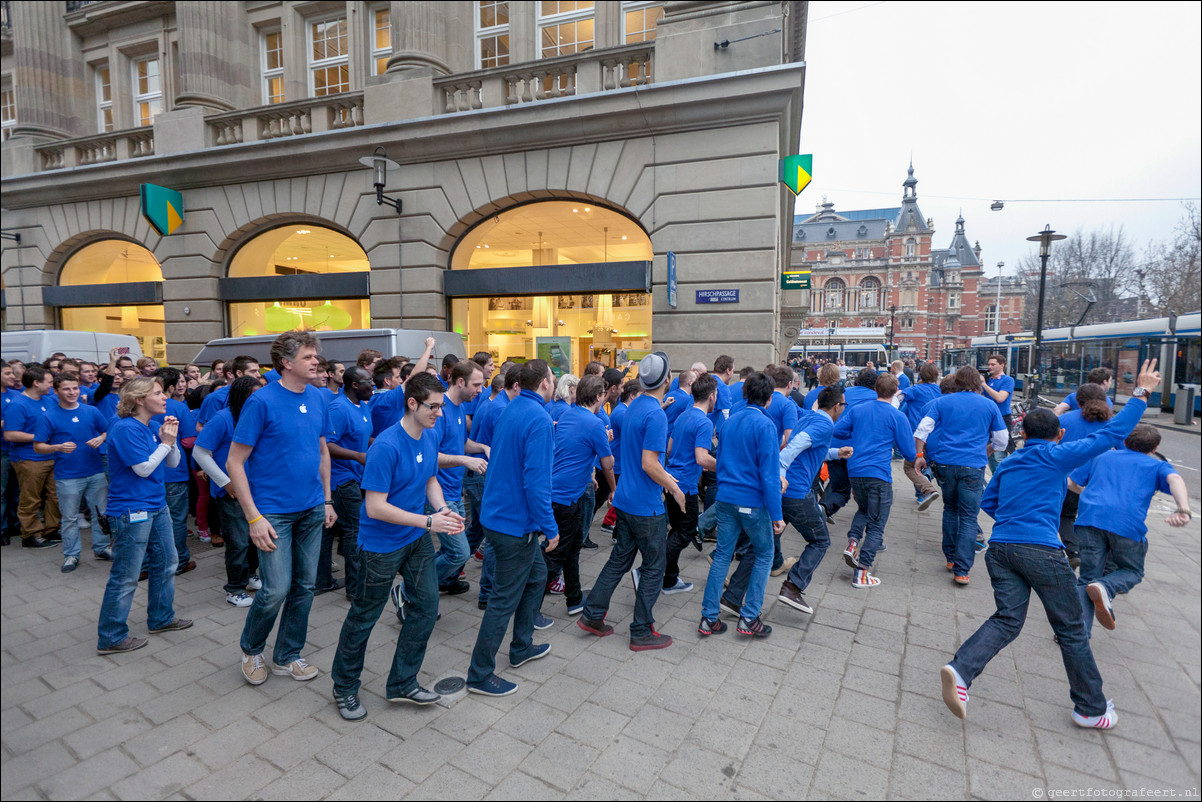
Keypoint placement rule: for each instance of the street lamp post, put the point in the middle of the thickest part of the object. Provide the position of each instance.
(892, 315)
(997, 309)
(1045, 239)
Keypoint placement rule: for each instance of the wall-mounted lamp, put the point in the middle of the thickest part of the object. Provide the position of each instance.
(380, 164)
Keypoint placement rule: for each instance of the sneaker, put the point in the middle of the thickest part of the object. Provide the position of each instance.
(785, 566)
(190, 565)
(598, 628)
(349, 706)
(337, 584)
(634, 577)
(927, 500)
(239, 599)
(1096, 592)
(698, 541)
(589, 545)
(849, 553)
(254, 670)
(478, 555)
(36, 542)
(1102, 722)
(254, 583)
(556, 588)
(726, 607)
(955, 692)
(539, 650)
(754, 627)
(175, 625)
(105, 555)
(607, 528)
(980, 546)
(960, 579)
(541, 621)
(645, 643)
(830, 521)
(711, 626)
(493, 686)
(791, 595)
(298, 669)
(455, 588)
(204, 536)
(397, 594)
(417, 695)
(951, 566)
(83, 523)
(576, 609)
(680, 587)
(128, 645)
(71, 563)
(863, 579)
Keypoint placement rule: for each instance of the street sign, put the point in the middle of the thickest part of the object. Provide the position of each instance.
(162, 207)
(795, 281)
(796, 172)
(671, 279)
(717, 296)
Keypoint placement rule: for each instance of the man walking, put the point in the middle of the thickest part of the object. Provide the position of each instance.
(1000, 388)
(35, 472)
(455, 454)
(689, 455)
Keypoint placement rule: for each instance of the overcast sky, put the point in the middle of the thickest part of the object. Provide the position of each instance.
(1009, 101)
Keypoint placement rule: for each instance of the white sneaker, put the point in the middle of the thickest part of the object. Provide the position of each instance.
(1102, 722)
(254, 583)
(955, 692)
(1102, 609)
(239, 599)
(680, 587)
(863, 579)
(84, 523)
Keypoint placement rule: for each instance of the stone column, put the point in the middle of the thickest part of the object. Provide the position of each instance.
(214, 56)
(48, 78)
(419, 36)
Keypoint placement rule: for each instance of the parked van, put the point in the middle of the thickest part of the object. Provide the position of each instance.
(341, 346)
(37, 345)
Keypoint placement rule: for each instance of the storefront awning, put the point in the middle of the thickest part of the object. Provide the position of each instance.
(134, 293)
(594, 277)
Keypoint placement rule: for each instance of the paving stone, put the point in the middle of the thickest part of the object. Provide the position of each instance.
(308, 780)
(174, 774)
(630, 763)
(88, 776)
(418, 757)
(297, 744)
(722, 734)
(990, 781)
(448, 782)
(238, 777)
(530, 722)
(592, 724)
(165, 739)
(914, 778)
(357, 750)
(20, 774)
(561, 761)
(519, 786)
(111, 732)
(373, 782)
(776, 773)
(43, 731)
(836, 776)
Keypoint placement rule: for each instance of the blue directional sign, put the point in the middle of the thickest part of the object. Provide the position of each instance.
(671, 279)
(717, 296)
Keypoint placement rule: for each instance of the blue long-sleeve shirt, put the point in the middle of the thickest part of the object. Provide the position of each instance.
(517, 487)
(1027, 491)
(874, 429)
(915, 399)
(853, 396)
(802, 458)
(748, 455)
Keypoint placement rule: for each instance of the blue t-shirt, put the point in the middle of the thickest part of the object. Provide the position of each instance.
(214, 402)
(216, 437)
(965, 421)
(811, 398)
(1003, 384)
(350, 427)
(77, 426)
(645, 428)
(285, 429)
(675, 404)
(737, 401)
(721, 406)
(187, 429)
(579, 442)
(615, 422)
(874, 430)
(1071, 400)
(131, 442)
(7, 397)
(748, 462)
(485, 422)
(400, 466)
(693, 430)
(903, 381)
(22, 415)
(813, 436)
(782, 411)
(1119, 486)
(556, 409)
(387, 409)
(451, 431)
(915, 399)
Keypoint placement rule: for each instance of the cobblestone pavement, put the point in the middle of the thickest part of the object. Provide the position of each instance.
(845, 703)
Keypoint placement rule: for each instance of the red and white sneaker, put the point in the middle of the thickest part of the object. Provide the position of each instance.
(849, 554)
(955, 692)
(1102, 722)
(556, 588)
(863, 579)
(479, 555)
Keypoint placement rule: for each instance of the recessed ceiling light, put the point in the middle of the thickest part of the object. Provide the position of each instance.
(623, 236)
(302, 231)
(574, 211)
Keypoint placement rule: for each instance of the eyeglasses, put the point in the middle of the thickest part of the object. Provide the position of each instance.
(431, 407)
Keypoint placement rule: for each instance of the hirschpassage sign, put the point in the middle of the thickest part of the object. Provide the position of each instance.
(717, 296)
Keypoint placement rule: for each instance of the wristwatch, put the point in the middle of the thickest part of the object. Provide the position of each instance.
(1140, 392)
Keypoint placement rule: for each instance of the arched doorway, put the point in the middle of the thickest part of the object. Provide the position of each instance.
(297, 276)
(566, 281)
(114, 286)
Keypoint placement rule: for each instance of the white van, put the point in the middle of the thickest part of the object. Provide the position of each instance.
(36, 345)
(341, 346)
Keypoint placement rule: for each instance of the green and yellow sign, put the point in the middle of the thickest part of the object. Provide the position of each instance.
(795, 281)
(796, 172)
(162, 207)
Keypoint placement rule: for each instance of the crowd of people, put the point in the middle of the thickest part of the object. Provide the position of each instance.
(412, 469)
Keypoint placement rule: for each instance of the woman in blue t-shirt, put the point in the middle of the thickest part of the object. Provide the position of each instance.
(138, 515)
(1092, 414)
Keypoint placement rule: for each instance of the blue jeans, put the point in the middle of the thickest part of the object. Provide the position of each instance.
(995, 459)
(131, 542)
(452, 549)
(806, 517)
(373, 582)
(1100, 548)
(634, 534)
(348, 499)
(587, 510)
(518, 586)
(94, 490)
(962, 488)
(473, 496)
(487, 570)
(177, 502)
(746, 587)
(241, 556)
(708, 520)
(1015, 570)
(874, 499)
(288, 574)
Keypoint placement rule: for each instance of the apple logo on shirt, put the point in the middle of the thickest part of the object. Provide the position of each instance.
(419, 457)
(75, 419)
(303, 409)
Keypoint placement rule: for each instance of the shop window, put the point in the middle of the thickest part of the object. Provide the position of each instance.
(568, 330)
(290, 251)
(108, 262)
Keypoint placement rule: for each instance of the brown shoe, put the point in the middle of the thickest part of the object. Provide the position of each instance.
(216, 541)
(175, 625)
(183, 569)
(791, 595)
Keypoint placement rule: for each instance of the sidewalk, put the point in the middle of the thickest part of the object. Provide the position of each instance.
(845, 703)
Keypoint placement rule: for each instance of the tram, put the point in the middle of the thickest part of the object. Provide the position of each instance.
(1070, 353)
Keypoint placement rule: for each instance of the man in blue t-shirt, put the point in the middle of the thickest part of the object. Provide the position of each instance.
(1024, 499)
(279, 468)
(218, 400)
(914, 400)
(176, 478)
(72, 432)
(642, 525)
(399, 483)
(689, 455)
(1103, 377)
(1116, 490)
(35, 472)
(8, 393)
(679, 399)
(782, 411)
(1000, 388)
(838, 487)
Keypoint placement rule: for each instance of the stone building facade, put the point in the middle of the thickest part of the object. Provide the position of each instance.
(550, 153)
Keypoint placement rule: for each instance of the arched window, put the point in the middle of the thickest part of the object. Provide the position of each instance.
(870, 294)
(835, 290)
(316, 279)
